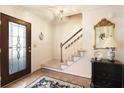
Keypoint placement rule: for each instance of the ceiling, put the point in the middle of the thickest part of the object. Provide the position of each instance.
(50, 12)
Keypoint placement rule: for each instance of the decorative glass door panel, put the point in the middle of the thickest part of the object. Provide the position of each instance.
(17, 47)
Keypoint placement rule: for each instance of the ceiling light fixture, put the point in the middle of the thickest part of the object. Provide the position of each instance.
(60, 15)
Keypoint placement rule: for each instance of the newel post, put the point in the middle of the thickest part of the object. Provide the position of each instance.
(61, 52)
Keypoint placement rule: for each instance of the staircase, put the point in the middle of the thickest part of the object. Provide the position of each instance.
(71, 50)
(73, 60)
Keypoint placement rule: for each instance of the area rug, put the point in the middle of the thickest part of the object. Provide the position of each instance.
(48, 82)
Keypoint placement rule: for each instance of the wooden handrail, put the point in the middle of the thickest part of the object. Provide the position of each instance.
(72, 37)
(62, 44)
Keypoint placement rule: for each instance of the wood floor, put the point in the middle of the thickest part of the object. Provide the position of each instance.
(26, 80)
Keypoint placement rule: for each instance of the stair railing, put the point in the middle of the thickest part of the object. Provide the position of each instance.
(67, 45)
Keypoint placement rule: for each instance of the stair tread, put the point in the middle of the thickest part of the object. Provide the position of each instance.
(76, 55)
(69, 63)
(63, 66)
(81, 50)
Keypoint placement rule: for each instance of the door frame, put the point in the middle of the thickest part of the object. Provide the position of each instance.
(5, 77)
(0, 48)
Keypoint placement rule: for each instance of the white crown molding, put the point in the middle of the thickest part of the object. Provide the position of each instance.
(50, 12)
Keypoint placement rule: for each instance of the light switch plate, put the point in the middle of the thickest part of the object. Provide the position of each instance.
(34, 45)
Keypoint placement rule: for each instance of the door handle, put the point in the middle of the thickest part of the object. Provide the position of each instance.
(0, 50)
(29, 49)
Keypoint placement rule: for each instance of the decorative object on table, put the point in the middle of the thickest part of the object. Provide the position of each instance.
(103, 29)
(98, 55)
(41, 36)
(48, 82)
(111, 45)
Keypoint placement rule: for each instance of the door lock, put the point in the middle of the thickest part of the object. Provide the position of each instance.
(29, 50)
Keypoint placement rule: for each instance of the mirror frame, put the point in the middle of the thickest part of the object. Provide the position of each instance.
(102, 23)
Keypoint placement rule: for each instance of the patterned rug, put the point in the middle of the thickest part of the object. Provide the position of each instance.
(48, 82)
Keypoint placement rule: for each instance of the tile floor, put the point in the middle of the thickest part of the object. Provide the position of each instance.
(25, 80)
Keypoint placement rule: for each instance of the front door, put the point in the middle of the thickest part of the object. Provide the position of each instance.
(15, 48)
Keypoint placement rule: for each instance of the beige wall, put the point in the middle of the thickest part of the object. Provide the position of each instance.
(63, 31)
(43, 50)
(90, 18)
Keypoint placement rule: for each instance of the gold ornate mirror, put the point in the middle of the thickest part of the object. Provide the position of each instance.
(103, 29)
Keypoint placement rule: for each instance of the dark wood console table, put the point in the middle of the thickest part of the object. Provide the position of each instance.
(106, 74)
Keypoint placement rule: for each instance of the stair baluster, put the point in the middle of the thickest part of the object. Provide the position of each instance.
(69, 50)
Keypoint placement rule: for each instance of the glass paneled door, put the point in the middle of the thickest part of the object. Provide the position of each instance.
(17, 47)
(16, 38)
